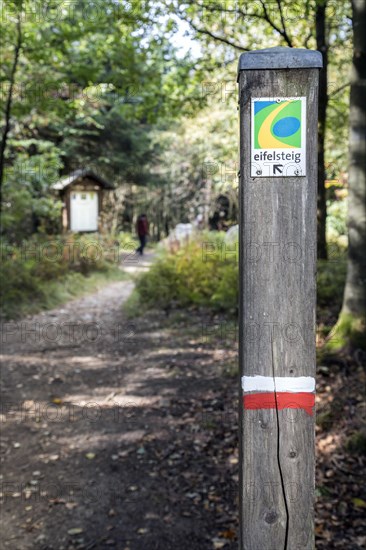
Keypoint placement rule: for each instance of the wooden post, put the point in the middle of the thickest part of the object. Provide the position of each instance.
(278, 96)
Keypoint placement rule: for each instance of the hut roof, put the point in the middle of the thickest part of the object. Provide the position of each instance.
(79, 175)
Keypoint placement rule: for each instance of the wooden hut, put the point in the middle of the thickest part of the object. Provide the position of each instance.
(82, 195)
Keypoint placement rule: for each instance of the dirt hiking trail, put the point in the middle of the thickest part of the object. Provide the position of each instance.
(113, 430)
(120, 433)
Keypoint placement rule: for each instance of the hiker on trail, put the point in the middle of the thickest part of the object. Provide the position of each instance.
(142, 229)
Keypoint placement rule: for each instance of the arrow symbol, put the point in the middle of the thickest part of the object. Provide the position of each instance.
(277, 168)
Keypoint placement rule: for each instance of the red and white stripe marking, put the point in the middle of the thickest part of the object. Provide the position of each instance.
(279, 392)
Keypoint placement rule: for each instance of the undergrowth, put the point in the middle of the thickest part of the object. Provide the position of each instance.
(43, 273)
(205, 273)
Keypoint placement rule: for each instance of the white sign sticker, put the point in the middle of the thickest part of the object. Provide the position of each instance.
(278, 137)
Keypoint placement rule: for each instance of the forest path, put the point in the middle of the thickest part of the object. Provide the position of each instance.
(116, 432)
(120, 433)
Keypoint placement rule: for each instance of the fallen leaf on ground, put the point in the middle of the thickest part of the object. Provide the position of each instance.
(75, 531)
(57, 400)
(359, 502)
(90, 456)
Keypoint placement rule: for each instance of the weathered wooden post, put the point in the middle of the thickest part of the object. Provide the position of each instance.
(278, 95)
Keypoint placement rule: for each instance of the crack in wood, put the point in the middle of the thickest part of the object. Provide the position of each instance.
(278, 451)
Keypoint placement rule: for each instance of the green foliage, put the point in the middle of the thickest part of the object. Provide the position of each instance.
(30, 272)
(91, 80)
(29, 205)
(198, 153)
(111, 144)
(349, 332)
(201, 274)
(336, 230)
(127, 240)
(336, 219)
(159, 287)
(191, 278)
(102, 83)
(331, 278)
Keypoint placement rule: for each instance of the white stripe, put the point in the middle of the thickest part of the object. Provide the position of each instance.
(283, 383)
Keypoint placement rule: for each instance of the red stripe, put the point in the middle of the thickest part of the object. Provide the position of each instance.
(284, 400)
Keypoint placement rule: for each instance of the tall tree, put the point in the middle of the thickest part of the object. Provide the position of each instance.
(8, 104)
(351, 326)
(322, 46)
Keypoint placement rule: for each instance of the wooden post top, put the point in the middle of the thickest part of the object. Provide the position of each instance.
(280, 58)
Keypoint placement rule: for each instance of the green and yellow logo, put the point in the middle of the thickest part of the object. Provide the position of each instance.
(277, 125)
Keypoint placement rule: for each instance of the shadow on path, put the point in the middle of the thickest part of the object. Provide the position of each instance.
(117, 433)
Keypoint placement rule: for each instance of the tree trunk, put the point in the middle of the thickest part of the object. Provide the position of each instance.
(322, 46)
(8, 104)
(351, 326)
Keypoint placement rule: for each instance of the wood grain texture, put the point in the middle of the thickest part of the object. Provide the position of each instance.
(277, 326)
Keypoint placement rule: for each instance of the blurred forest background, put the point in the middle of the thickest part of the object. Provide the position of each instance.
(144, 94)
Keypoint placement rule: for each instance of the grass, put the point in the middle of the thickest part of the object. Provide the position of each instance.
(45, 272)
(51, 294)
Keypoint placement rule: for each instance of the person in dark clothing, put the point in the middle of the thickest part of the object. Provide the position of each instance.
(142, 230)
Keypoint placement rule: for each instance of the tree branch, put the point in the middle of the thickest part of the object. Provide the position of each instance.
(214, 36)
(337, 90)
(265, 17)
(285, 35)
(8, 105)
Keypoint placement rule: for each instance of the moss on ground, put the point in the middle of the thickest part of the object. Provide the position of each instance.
(349, 332)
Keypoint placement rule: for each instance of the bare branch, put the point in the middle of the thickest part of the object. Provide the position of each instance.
(214, 36)
(265, 17)
(337, 90)
(285, 35)
(274, 26)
